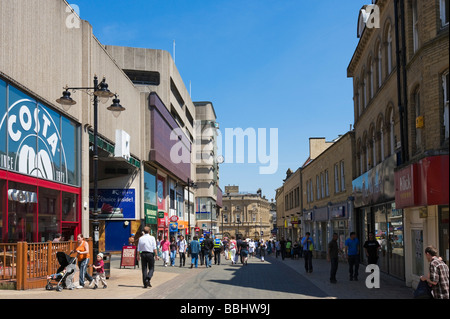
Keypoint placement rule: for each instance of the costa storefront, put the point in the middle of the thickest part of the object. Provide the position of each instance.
(40, 191)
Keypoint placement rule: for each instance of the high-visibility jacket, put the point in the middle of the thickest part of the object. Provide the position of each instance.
(217, 243)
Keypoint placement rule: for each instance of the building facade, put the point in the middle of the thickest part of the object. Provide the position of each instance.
(327, 203)
(245, 214)
(146, 171)
(400, 76)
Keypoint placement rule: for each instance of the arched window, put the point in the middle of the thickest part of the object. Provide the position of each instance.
(389, 50)
(379, 65)
(371, 78)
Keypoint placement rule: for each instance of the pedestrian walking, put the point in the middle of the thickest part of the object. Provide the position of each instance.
(83, 256)
(232, 247)
(438, 277)
(278, 248)
(251, 248)
(165, 250)
(147, 253)
(282, 248)
(208, 246)
(218, 245)
(262, 249)
(173, 251)
(333, 257)
(371, 247)
(194, 249)
(243, 251)
(99, 267)
(352, 254)
(201, 255)
(308, 247)
(182, 245)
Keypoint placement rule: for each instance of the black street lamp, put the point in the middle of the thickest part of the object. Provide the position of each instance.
(100, 91)
(190, 184)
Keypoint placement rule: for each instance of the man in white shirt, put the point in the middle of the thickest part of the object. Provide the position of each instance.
(147, 252)
(182, 250)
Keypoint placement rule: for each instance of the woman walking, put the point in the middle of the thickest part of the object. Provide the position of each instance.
(83, 260)
(232, 246)
(262, 249)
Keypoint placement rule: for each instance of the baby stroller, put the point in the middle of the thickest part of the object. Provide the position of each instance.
(65, 273)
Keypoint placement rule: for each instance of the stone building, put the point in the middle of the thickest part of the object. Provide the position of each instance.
(245, 214)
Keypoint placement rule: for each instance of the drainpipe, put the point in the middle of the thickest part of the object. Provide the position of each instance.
(400, 64)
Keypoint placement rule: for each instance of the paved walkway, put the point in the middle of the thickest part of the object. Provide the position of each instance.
(126, 283)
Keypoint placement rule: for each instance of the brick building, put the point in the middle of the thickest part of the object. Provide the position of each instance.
(400, 76)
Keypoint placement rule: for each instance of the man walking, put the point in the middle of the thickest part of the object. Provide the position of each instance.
(217, 250)
(208, 246)
(181, 244)
(438, 278)
(333, 257)
(371, 247)
(147, 254)
(352, 253)
(308, 247)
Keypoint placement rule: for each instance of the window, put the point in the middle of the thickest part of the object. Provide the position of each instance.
(444, 10)
(392, 139)
(371, 79)
(327, 188)
(322, 186)
(143, 77)
(445, 89)
(415, 26)
(336, 178)
(379, 65)
(389, 50)
(317, 187)
(342, 176)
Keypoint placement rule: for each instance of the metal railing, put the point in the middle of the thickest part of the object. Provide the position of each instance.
(27, 265)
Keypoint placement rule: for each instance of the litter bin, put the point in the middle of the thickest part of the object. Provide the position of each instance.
(107, 262)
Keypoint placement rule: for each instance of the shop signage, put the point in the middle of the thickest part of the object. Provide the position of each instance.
(173, 227)
(115, 203)
(163, 220)
(423, 183)
(35, 144)
(160, 193)
(375, 185)
(21, 196)
(337, 211)
(151, 212)
(308, 216)
(128, 257)
(173, 218)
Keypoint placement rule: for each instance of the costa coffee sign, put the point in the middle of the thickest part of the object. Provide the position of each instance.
(35, 146)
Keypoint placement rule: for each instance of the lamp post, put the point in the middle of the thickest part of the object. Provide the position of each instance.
(189, 184)
(100, 90)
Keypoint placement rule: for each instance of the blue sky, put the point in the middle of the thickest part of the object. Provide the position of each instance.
(263, 63)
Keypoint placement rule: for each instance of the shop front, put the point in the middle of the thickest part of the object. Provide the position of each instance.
(40, 193)
(374, 202)
(339, 222)
(422, 191)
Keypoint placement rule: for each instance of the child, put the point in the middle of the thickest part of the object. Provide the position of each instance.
(99, 266)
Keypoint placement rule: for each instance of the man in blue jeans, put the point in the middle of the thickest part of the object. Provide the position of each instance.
(352, 253)
(308, 246)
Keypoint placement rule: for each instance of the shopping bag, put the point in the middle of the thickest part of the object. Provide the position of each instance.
(423, 291)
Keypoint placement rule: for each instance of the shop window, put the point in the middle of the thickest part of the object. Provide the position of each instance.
(69, 207)
(49, 219)
(22, 209)
(443, 234)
